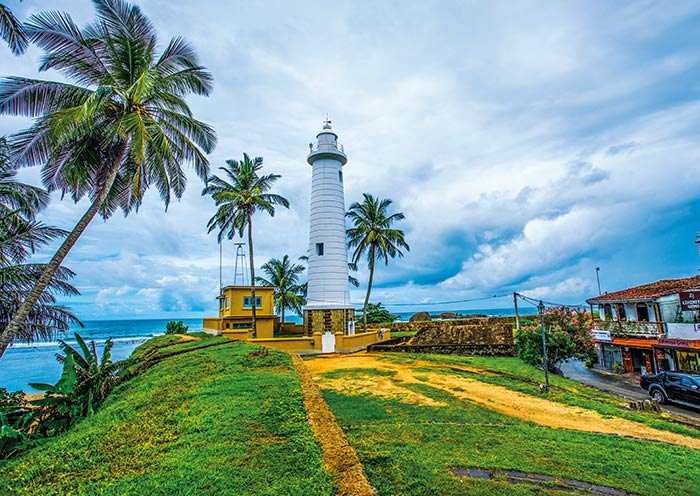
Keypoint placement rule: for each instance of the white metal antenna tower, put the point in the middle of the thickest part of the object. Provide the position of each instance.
(243, 273)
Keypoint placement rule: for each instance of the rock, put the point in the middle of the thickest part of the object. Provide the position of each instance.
(456, 316)
(420, 317)
(449, 315)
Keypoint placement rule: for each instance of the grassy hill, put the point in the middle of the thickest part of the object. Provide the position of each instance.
(219, 420)
(210, 416)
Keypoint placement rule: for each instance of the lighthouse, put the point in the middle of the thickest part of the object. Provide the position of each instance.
(328, 305)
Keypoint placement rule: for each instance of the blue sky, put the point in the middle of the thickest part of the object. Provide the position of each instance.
(526, 142)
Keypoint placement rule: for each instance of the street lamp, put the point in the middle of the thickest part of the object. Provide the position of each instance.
(697, 242)
(597, 276)
(540, 308)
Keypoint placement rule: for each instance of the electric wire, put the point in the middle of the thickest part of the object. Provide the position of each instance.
(448, 302)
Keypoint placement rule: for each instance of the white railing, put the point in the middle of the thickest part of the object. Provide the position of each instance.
(325, 147)
(630, 328)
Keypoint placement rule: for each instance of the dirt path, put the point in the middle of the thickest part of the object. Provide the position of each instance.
(498, 398)
(338, 456)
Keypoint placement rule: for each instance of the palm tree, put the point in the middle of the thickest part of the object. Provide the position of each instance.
(12, 31)
(284, 277)
(372, 235)
(119, 126)
(238, 200)
(20, 235)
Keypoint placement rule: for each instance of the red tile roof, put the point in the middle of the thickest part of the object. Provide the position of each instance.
(650, 291)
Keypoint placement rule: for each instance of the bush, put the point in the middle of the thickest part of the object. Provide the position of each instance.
(377, 314)
(178, 327)
(568, 335)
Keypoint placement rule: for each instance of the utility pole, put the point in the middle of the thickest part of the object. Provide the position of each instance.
(697, 242)
(540, 308)
(515, 304)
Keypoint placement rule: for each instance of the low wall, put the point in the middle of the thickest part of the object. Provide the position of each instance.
(237, 334)
(358, 341)
(445, 349)
(291, 328)
(213, 324)
(441, 324)
(492, 336)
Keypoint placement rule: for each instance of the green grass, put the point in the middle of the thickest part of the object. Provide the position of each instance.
(407, 449)
(221, 420)
(401, 334)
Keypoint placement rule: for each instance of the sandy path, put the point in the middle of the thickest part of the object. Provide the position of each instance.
(498, 398)
(338, 455)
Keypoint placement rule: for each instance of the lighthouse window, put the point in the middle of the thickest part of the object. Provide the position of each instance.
(340, 176)
(319, 248)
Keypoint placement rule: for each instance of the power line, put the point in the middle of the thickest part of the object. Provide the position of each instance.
(448, 302)
(548, 303)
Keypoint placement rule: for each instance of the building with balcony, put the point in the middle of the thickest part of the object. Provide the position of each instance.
(650, 328)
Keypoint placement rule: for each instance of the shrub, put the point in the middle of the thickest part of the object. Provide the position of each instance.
(178, 327)
(377, 314)
(568, 335)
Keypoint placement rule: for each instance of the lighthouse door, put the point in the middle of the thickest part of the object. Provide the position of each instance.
(328, 342)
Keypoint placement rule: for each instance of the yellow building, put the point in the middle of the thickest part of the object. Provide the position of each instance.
(235, 313)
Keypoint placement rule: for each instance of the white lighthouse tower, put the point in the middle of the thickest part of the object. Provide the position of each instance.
(328, 305)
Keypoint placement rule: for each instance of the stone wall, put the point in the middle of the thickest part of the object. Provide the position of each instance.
(484, 336)
(327, 320)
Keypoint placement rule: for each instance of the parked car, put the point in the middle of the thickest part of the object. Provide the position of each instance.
(679, 387)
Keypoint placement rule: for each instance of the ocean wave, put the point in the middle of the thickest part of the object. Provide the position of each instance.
(98, 342)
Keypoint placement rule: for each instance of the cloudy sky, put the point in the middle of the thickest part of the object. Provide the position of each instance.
(526, 142)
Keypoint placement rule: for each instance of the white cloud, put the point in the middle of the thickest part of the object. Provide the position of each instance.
(491, 128)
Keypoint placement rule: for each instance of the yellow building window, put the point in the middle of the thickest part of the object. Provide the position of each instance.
(248, 299)
(228, 302)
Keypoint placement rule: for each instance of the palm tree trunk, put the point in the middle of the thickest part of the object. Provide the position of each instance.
(14, 326)
(252, 276)
(369, 287)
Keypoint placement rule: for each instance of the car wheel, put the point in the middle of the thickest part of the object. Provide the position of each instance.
(659, 396)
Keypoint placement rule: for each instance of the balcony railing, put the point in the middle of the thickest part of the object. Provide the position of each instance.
(631, 328)
(327, 147)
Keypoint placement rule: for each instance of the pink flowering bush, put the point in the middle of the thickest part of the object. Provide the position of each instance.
(568, 335)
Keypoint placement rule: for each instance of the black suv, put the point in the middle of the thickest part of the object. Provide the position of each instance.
(679, 387)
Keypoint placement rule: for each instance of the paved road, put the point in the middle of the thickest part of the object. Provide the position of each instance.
(622, 386)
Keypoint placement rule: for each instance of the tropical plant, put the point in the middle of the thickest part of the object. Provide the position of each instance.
(12, 31)
(14, 419)
(568, 335)
(119, 125)
(284, 277)
(178, 327)
(378, 314)
(240, 194)
(373, 236)
(20, 235)
(85, 383)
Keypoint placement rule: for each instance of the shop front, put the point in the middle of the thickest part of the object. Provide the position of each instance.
(678, 354)
(631, 354)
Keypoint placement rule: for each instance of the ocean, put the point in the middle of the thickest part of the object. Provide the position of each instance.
(25, 363)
